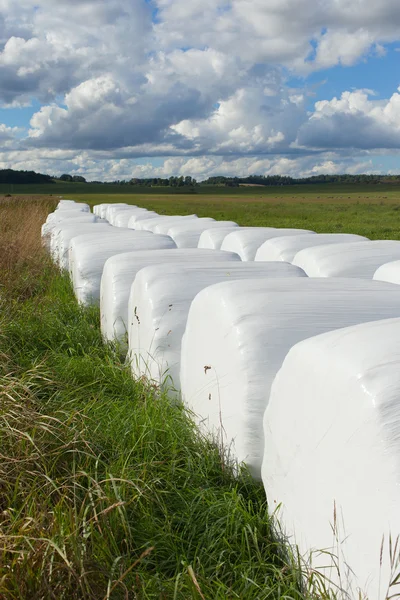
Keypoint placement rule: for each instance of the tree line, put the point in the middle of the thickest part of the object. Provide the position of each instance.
(12, 176)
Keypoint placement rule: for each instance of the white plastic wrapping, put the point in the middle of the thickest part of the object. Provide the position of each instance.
(389, 272)
(359, 259)
(88, 254)
(76, 217)
(213, 238)
(101, 210)
(246, 241)
(122, 218)
(159, 304)
(286, 248)
(65, 203)
(119, 273)
(242, 333)
(114, 210)
(151, 223)
(332, 453)
(71, 205)
(135, 220)
(111, 208)
(62, 235)
(168, 222)
(187, 235)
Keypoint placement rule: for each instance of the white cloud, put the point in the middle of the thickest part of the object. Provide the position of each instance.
(206, 79)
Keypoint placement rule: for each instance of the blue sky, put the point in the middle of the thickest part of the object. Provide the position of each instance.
(114, 90)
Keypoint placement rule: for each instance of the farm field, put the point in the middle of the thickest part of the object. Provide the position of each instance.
(364, 210)
(107, 491)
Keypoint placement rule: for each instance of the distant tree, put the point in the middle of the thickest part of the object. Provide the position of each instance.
(66, 177)
(78, 179)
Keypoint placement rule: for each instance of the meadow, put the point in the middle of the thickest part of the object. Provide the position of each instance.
(107, 491)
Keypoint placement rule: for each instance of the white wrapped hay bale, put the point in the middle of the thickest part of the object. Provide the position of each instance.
(168, 222)
(332, 431)
(112, 207)
(242, 333)
(61, 238)
(71, 205)
(389, 272)
(159, 304)
(246, 241)
(135, 220)
(122, 218)
(187, 235)
(65, 203)
(114, 210)
(285, 248)
(75, 217)
(213, 238)
(358, 259)
(101, 210)
(119, 273)
(151, 224)
(88, 254)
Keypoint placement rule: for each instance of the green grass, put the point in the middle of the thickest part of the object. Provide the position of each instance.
(373, 214)
(106, 489)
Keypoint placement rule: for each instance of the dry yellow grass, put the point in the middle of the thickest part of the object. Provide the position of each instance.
(20, 244)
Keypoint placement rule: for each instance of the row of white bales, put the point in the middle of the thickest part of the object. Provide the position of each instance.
(283, 342)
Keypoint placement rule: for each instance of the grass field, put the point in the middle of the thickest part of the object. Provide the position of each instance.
(365, 210)
(106, 490)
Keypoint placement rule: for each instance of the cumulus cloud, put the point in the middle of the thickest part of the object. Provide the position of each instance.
(197, 80)
(353, 121)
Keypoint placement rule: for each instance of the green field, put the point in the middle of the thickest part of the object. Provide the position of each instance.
(373, 211)
(107, 491)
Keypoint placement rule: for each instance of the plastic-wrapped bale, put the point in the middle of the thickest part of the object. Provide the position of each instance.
(75, 217)
(81, 206)
(111, 208)
(135, 220)
(151, 224)
(61, 238)
(187, 235)
(357, 259)
(213, 238)
(88, 254)
(332, 453)
(166, 225)
(238, 335)
(246, 241)
(159, 304)
(168, 222)
(123, 217)
(114, 210)
(101, 210)
(119, 273)
(389, 272)
(285, 248)
(64, 203)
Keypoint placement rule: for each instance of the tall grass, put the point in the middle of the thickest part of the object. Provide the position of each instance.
(106, 489)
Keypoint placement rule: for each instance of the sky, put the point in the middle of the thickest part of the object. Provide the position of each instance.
(115, 89)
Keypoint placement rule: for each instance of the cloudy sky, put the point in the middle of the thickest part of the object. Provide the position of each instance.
(114, 89)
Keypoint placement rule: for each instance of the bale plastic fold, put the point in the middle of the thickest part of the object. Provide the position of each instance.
(237, 336)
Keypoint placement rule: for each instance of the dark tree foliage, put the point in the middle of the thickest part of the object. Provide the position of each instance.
(18, 177)
(286, 180)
